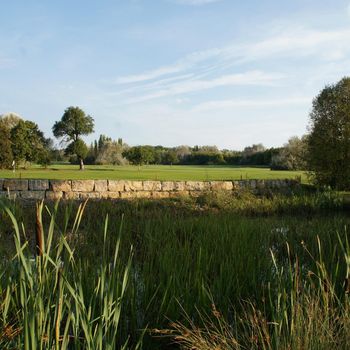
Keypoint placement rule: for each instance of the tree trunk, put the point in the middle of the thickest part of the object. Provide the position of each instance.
(82, 167)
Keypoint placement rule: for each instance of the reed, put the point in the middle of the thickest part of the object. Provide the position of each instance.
(53, 299)
(110, 271)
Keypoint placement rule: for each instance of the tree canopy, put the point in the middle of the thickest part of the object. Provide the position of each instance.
(329, 139)
(72, 125)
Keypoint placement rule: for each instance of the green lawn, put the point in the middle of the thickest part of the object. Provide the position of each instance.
(151, 172)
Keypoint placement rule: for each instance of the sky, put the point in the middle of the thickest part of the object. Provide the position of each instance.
(172, 72)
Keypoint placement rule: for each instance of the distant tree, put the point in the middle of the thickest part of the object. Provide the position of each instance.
(182, 152)
(111, 153)
(73, 124)
(293, 154)
(255, 148)
(140, 155)
(170, 157)
(329, 138)
(6, 156)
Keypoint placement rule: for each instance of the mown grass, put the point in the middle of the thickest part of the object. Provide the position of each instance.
(277, 282)
(151, 172)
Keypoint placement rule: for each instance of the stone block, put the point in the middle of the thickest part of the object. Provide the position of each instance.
(15, 185)
(160, 195)
(38, 195)
(61, 185)
(38, 185)
(179, 185)
(101, 186)
(236, 185)
(179, 194)
(3, 194)
(1, 184)
(152, 186)
(111, 195)
(168, 186)
(126, 195)
(196, 185)
(252, 184)
(83, 185)
(133, 186)
(142, 194)
(116, 185)
(221, 185)
(53, 195)
(89, 195)
(71, 195)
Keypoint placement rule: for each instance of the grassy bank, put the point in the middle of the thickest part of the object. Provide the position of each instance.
(152, 263)
(151, 172)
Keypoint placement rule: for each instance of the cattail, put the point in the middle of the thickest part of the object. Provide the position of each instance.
(39, 231)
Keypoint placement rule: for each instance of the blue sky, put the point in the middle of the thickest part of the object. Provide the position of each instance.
(171, 72)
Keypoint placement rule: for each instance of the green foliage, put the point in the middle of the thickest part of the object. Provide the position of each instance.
(28, 142)
(265, 273)
(6, 156)
(329, 139)
(77, 148)
(57, 300)
(170, 157)
(9, 120)
(292, 156)
(140, 155)
(72, 125)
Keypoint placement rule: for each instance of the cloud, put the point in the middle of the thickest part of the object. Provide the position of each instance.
(180, 65)
(217, 67)
(150, 75)
(247, 78)
(298, 42)
(251, 103)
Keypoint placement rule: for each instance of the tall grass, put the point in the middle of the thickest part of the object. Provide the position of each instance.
(52, 300)
(303, 311)
(96, 293)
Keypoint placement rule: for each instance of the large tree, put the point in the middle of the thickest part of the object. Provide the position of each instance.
(329, 139)
(73, 124)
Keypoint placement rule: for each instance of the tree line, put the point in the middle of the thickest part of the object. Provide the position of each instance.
(22, 142)
(324, 151)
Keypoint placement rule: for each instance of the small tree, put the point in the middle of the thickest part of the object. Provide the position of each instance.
(139, 155)
(329, 139)
(72, 125)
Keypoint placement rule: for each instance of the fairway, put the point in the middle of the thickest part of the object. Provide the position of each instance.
(151, 172)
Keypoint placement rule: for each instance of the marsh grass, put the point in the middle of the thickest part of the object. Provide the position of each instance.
(55, 300)
(186, 256)
(303, 311)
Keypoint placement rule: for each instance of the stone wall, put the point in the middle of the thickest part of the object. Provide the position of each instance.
(114, 189)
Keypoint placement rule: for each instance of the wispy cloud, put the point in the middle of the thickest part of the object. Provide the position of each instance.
(216, 67)
(152, 74)
(248, 78)
(251, 103)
